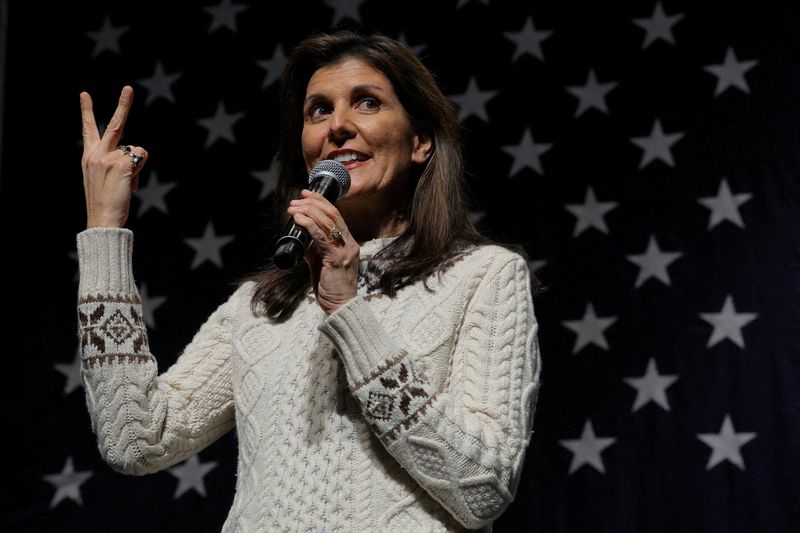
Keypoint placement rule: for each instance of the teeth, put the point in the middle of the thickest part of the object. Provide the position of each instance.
(348, 156)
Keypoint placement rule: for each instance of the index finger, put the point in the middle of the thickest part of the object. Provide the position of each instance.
(325, 204)
(114, 129)
(89, 131)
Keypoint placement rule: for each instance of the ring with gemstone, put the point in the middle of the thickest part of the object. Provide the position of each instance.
(125, 148)
(336, 234)
(137, 158)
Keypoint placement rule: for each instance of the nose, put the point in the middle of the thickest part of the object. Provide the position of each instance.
(341, 126)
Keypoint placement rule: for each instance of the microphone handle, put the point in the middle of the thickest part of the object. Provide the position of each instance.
(296, 240)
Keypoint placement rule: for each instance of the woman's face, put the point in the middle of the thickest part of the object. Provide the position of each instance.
(352, 115)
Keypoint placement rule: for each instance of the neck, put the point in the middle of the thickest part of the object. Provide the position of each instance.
(366, 225)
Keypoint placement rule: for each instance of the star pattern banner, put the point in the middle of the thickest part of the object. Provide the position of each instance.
(645, 154)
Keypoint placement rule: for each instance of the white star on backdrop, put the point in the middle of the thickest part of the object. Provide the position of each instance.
(223, 15)
(220, 126)
(268, 179)
(652, 386)
(658, 26)
(535, 265)
(274, 66)
(590, 329)
(475, 217)
(730, 73)
(190, 475)
(657, 145)
(343, 9)
(590, 213)
(526, 153)
(727, 324)
(151, 196)
(726, 445)
(586, 450)
(528, 40)
(149, 305)
(159, 85)
(473, 102)
(107, 37)
(653, 263)
(592, 95)
(725, 205)
(208, 247)
(72, 371)
(68, 483)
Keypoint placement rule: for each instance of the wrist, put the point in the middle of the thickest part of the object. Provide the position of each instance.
(97, 222)
(331, 308)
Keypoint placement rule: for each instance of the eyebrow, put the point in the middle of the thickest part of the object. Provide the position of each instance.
(357, 89)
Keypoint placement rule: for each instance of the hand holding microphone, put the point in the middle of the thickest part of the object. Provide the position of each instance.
(333, 260)
(328, 178)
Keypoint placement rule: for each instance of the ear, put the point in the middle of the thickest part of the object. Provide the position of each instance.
(423, 146)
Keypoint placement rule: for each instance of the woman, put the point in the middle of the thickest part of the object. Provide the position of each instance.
(387, 382)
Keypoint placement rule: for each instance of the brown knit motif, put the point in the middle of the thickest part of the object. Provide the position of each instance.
(101, 360)
(113, 298)
(380, 370)
(113, 324)
(411, 419)
(369, 276)
(395, 396)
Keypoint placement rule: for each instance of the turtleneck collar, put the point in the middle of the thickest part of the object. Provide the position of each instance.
(371, 247)
(370, 268)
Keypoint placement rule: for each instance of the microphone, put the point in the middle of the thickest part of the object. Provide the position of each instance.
(328, 178)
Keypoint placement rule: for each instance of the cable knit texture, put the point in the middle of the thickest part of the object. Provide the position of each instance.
(410, 413)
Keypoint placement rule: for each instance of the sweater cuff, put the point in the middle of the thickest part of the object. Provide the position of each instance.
(104, 259)
(360, 339)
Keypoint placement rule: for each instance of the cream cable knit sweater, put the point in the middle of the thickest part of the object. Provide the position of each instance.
(403, 414)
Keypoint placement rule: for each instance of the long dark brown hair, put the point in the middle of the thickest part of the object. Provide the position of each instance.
(438, 229)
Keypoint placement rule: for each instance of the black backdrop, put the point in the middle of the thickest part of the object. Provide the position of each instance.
(644, 154)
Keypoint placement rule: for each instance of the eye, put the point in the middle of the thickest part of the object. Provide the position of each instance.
(317, 111)
(369, 103)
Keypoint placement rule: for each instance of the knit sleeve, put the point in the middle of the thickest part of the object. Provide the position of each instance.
(145, 422)
(464, 444)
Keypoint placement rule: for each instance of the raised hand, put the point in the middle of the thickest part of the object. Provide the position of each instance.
(110, 173)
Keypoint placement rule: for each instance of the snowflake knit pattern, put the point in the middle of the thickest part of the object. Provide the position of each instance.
(410, 413)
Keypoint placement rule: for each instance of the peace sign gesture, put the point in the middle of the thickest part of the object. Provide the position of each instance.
(110, 173)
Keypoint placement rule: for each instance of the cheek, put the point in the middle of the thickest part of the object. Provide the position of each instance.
(395, 146)
(310, 145)
(400, 148)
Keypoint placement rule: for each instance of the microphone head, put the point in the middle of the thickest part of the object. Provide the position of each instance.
(334, 169)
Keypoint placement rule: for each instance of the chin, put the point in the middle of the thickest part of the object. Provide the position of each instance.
(353, 203)
(354, 192)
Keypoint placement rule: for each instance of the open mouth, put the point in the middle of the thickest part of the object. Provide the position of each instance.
(348, 158)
